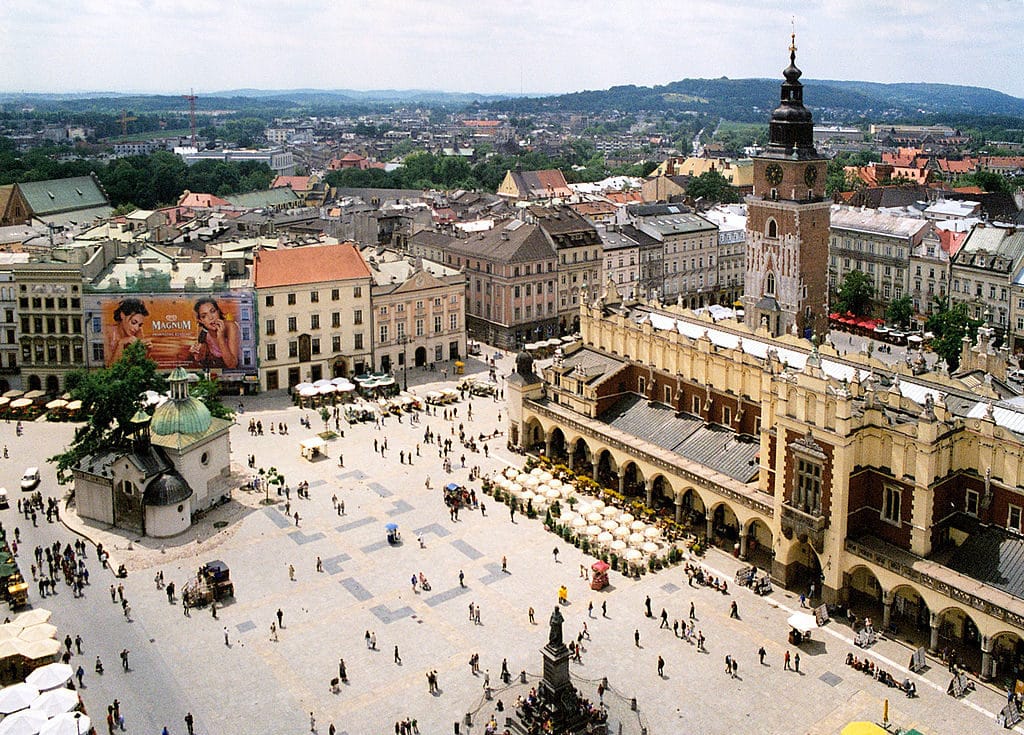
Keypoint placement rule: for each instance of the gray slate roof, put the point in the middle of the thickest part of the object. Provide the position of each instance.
(514, 242)
(716, 447)
(63, 195)
(994, 558)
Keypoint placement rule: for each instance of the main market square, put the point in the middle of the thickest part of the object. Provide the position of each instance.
(182, 665)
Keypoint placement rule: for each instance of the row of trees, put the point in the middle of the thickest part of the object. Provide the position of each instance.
(142, 181)
(430, 171)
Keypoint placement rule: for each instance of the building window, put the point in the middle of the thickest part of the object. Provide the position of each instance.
(335, 294)
(772, 230)
(1013, 518)
(383, 333)
(399, 330)
(269, 301)
(383, 311)
(971, 504)
(97, 353)
(292, 324)
(641, 386)
(419, 327)
(357, 341)
(271, 351)
(336, 320)
(695, 405)
(336, 343)
(314, 321)
(357, 292)
(291, 299)
(271, 327)
(437, 323)
(314, 297)
(453, 321)
(668, 395)
(293, 348)
(314, 345)
(891, 504)
(726, 415)
(769, 284)
(808, 486)
(357, 316)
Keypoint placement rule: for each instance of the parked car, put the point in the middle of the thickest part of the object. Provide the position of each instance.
(30, 480)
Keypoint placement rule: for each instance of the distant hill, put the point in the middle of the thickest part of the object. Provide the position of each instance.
(742, 100)
(748, 100)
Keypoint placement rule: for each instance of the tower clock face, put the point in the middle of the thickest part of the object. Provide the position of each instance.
(810, 175)
(773, 172)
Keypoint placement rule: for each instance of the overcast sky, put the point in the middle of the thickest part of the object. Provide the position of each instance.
(534, 46)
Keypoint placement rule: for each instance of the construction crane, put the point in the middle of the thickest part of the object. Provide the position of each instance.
(191, 97)
(125, 119)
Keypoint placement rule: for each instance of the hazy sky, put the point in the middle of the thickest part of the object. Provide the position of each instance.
(535, 46)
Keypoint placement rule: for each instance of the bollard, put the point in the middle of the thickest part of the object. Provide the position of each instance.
(632, 704)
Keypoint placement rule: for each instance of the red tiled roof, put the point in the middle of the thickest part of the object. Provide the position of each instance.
(309, 264)
(352, 157)
(957, 167)
(624, 197)
(968, 190)
(295, 183)
(593, 208)
(196, 199)
(950, 240)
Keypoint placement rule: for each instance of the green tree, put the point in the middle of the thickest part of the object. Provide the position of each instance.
(208, 391)
(855, 294)
(712, 187)
(110, 397)
(900, 311)
(950, 324)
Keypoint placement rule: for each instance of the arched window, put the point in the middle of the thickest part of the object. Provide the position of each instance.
(769, 284)
(772, 229)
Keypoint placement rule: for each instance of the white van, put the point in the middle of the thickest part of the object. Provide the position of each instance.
(30, 480)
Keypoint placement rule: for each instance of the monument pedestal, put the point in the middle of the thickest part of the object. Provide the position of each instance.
(557, 692)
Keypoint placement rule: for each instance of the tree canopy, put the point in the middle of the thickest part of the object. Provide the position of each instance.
(712, 186)
(855, 294)
(950, 324)
(110, 397)
(900, 311)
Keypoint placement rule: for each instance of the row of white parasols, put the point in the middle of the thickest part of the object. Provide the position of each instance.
(42, 705)
(612, 528)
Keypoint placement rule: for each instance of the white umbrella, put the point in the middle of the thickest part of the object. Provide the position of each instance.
(50, 676)
(552, 494)
(329, 388)
(649, 547)
(594, 530)
(637, 526)
(652, 532)
(26, 722)
(567, 491)
(609, 525)
(308, 392)
(621, 532)
(345, 387)
(633, 555)
(584, 509)
(553, 482)
(511, 473)
(340, 381)
(609, 511)
(579, 523)
(635, 539)
(302, 386)
(531, 481)
(546, 477)
(55, 701)
(515, 488)
(321, 382)
(527, 495)
(595, 517)
(618, 545)
(626, 518)
(597, 504)
(38, 632)
(31, 617)
(536, 472)
(605, 538)
(803, 622)
(69, 723)
(568, 516)
(17, 696)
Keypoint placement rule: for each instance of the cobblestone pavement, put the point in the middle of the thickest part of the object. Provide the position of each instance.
(181, 664)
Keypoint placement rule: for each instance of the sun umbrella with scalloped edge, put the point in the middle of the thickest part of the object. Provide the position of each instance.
(16, 697)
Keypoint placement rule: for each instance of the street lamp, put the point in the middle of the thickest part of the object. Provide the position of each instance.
(403, 340)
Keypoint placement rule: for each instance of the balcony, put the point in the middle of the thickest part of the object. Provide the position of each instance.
(805, 526)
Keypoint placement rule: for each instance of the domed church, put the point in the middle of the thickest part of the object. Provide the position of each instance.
(179, 465)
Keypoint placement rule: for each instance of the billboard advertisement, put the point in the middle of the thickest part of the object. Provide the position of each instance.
(202, 332)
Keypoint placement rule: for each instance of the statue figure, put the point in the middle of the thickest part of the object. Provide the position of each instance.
(555, 634)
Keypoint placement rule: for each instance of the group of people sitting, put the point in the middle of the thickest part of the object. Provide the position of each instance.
(697, 576)
(868, 667)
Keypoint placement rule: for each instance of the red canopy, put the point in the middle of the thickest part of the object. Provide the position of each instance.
(600, 566)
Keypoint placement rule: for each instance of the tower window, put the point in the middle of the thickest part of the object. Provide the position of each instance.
(772, 229)
(769, 284)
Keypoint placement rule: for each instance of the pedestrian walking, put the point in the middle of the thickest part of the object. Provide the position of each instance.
(227, 641)
(693, 611)
(319, 565)
(78, 643)
(785, 662)
(532, 620)
(504, 565)
(273, 631)
(604, 608)
(735, 667)
(462, 579)
(590, 609)
(342, 673)
(647, 607)
(636, 638)
(796, 662)
(398, 659)
(124, 658)
(734, 611)
(661, 667)
(291, 572)
(761, 653)
(280, 618)
(80, 674)
(554, 553)
(664, 618)
(190, 723)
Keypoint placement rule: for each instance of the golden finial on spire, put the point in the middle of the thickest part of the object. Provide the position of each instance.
(792, 35)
